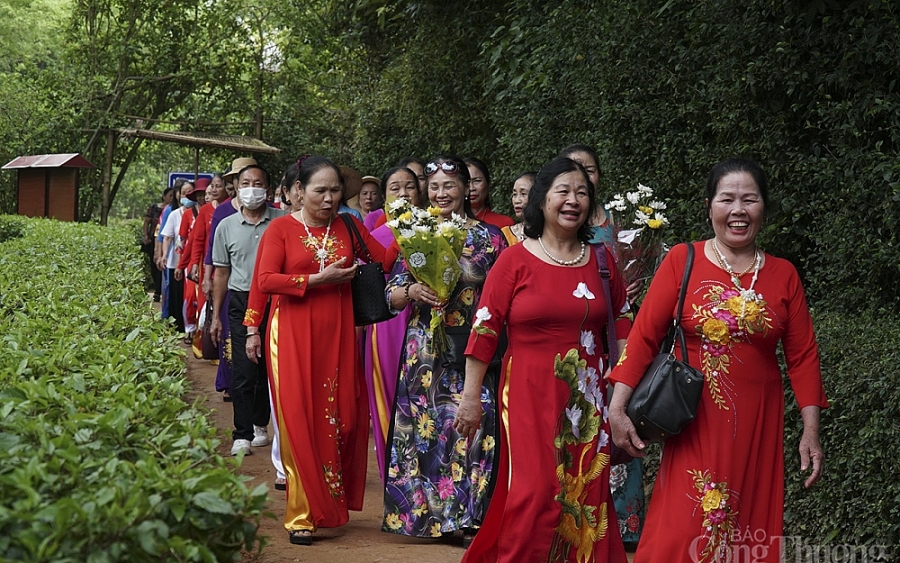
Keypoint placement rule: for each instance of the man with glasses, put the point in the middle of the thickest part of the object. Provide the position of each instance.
(234, 255)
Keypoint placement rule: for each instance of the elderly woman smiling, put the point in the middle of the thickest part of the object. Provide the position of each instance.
(720, 489)
(437, 483)
(552, 500)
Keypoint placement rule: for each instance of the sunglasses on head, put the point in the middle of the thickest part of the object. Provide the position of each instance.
(448, 166)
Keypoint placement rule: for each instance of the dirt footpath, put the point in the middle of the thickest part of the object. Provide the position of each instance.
(360, 541)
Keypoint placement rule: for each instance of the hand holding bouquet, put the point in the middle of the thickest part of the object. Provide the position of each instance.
(640, 226)
(431, 249)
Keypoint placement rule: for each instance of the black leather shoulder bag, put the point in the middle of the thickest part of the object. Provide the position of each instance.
(666, 399)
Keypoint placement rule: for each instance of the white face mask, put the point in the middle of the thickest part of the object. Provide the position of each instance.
(252, 198)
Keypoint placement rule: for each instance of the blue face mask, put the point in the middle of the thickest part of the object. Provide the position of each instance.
(188, 202)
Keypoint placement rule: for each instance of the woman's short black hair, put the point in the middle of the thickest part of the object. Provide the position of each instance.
(407, 160)
(483, 168)
(390, 172)
(462, 172)
(533, 215)
(730, 166)
(307, 166)
(530, 176)
(579, 147)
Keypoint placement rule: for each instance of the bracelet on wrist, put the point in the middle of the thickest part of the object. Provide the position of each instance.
(249, 334)
(406, 291)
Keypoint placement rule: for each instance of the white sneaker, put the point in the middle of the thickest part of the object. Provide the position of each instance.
(260, 437)
(241, 446)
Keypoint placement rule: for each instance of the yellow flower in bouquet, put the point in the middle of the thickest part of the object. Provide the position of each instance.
(431, 249)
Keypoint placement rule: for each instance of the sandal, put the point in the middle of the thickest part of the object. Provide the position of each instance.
(280, 484)
(226, 396)
(468, 536)
(300, 537)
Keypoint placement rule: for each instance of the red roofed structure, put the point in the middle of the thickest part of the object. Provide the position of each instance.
(48, 184)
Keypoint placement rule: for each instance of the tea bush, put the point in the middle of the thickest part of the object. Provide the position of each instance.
(10, 227)
(101, 459)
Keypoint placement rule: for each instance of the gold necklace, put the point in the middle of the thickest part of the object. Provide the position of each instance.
(720, 258)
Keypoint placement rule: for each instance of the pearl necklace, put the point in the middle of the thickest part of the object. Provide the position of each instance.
(321, 247)
(563, 262)
(747, 295)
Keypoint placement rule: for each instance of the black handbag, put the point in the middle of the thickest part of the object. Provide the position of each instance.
(666, 399)
(369, 303)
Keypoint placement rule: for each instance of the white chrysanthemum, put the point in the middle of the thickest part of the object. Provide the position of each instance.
(583, 291)
(395, 224)
(417, 260)
(397, 205)
(660, 217)
(458, 221)
(617, 205)
(421, 228)
(657, 205)
(407, 233)
(633, 197)
(644, 190)
(640, 218)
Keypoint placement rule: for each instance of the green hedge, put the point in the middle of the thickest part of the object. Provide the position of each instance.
(858, 500)
(101, 458)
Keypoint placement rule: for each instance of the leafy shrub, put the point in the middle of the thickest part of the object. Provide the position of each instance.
(10, 227)
(100, 457)
(857, 502)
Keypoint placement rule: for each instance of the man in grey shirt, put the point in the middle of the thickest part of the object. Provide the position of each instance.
(234, 256)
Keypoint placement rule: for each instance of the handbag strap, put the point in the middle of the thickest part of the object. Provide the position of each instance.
(679, 331)
(600, 253)
(354, 234)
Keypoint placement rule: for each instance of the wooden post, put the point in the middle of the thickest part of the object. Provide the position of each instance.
(107, 176)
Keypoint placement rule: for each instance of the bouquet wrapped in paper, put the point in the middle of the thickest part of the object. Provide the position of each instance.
(640, 225)
(431, 249)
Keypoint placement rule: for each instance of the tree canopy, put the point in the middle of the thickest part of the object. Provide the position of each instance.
(663, 90)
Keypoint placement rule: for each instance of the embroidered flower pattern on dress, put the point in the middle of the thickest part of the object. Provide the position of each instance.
(335, 481)
(728, 318)
(326, 248)
(579, 463)
(717, 502)
(298, 281)
(251, 316)
(332, 414)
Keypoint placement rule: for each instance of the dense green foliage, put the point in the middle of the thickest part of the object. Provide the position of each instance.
(10, 227)
(858, 500)
(811, 89)
(663, 91)
(101, 459)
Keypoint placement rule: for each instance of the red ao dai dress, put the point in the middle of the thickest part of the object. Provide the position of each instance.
(719, 495)
(315, 370)
(552, 500)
